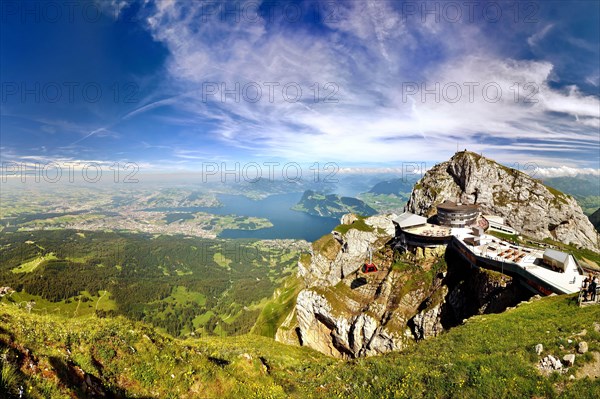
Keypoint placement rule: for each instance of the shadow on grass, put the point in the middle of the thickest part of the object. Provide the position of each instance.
(82, 384)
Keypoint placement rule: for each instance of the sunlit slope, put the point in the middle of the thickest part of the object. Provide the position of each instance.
(489, 356)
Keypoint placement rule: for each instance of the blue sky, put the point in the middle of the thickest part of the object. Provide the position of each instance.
(172, 84)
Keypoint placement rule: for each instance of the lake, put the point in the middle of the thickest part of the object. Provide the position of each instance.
(287, 224)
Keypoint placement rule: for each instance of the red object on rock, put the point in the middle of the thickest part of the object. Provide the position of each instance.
(369, 268)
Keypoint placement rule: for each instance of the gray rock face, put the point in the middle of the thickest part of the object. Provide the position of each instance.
(345, 313)
(550, 364)
(524, 202)
(347, 252)
(339, 335)
(427, 323)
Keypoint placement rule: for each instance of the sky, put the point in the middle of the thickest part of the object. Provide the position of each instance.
(173, 85)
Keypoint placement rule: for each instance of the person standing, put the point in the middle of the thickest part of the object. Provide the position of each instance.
(585, 288)
(592, 289)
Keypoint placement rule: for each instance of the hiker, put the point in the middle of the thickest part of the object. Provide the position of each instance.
(592, 288)
(584, 288)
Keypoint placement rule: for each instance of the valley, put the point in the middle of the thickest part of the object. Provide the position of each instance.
(224, 273)
(299, 199)
(182, 285)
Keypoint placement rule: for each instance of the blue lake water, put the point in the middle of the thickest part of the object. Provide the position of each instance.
(286, 222)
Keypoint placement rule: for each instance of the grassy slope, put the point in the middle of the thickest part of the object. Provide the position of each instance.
(489, 356)
(278, 308)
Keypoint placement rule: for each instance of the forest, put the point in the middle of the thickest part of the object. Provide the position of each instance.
(180, 284)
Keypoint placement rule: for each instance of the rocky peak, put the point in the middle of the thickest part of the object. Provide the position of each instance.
(525, 203)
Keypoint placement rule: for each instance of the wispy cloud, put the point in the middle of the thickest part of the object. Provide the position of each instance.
(377, 86)
(534, 39)
(367, 53)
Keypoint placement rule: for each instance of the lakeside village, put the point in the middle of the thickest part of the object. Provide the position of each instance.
(540, 267)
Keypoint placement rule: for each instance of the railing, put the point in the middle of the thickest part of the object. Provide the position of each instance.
(502, 264)
(581, 272)
(581, 296)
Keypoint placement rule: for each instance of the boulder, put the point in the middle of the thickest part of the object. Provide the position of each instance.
(539, 348)
(569, 359)
(348, 218)
(582, 347)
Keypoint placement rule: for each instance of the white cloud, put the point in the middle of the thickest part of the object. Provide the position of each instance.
(534, 39)
(565, 171)
(370, 54)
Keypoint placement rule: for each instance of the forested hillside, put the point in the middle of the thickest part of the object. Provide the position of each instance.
(182, 285)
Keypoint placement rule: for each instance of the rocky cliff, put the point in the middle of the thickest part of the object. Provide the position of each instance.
(525, 203)
(345, 313)
(595, 220)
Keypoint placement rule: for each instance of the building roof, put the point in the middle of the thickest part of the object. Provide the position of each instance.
(453, 206)
(556, 255)
(494, 218)
(477, 230)
(408, 219)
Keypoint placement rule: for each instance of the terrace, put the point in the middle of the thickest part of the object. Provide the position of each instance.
(430, 230)
(530, 260)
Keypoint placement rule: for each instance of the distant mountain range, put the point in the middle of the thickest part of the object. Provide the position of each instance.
(399, 187)
(331, 205)
(580, 185)
(585, 189)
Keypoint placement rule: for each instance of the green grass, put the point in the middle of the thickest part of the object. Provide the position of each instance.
(503, 236)
(401, 266)
(202, 319)
(276, 310)
(359, 225)
(491, 356)
(326, 246)
(305, 259)
(9, 378)
(559, 196)
(33, 264)
(221, 260)
(69, 308)
(181, 295)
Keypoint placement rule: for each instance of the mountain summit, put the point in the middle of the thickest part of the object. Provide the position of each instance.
(525, 203)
